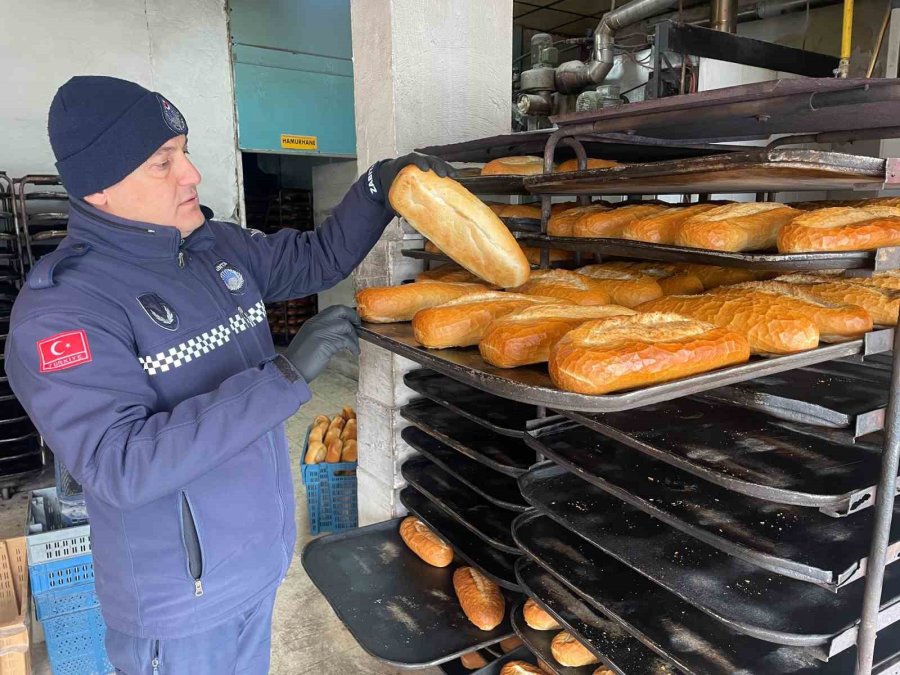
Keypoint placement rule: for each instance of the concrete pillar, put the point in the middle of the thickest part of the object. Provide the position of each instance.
(425, 73)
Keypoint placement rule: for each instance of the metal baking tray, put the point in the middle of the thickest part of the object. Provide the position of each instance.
(607, 640)
(538, 642)
(496, 565)
(501, 453)
(839, 395)
(489, 522)
(531, 384)
(493, 412)
(690, 638)
(747, 598)
(495, 663)
(494, 185)
(429, 256)
(399, 608)
(499, 489)
(882, 259)
(741, 450)
(788, 540)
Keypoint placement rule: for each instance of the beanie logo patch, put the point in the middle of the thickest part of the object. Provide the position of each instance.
(172, 116)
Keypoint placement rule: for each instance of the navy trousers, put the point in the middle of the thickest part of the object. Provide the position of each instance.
(240, 646)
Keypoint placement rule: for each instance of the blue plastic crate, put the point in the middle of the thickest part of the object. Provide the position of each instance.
(330, 494)
(63, 586)
(75, 643)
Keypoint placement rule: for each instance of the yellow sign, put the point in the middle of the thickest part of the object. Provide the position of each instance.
(292, 142)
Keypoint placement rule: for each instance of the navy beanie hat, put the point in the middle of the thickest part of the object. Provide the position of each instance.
(103, 128)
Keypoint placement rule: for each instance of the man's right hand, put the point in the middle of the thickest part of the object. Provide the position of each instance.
(321, 337)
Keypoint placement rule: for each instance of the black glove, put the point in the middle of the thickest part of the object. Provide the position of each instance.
(387, 171)
(321, 337)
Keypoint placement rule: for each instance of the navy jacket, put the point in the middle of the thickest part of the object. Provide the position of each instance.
(147, 364)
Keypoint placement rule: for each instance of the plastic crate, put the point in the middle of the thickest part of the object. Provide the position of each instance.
(75, 643)
(330, 494)
(47, 536)
(63, 586)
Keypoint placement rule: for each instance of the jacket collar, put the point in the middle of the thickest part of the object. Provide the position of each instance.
(132, 239)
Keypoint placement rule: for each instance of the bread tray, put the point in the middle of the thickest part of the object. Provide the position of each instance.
(607, 640)
(693, 640)
(429, 256)
(531, 384)
(538, 641)
(494, 185)
(495, 663)
(495, 564)
(399, 608)
(788, 540)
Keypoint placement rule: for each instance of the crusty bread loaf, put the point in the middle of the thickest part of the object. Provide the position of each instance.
(349, 452)
(533, 255)
(337, 422)
(526, 336)
(842, 229)
(331, 435)
(628, 289)
(450, 273)
(562, 222)
(565, 285)
(321, 419)
(592, 163)
(348, 433)
(611, 223)
(388, 304)
(744, 226)
(520, 668)
(519, 165)
(510, 643)
(317, 432)
(462, 322)
(480, 598)
(603, 670)
(520, 211)
(836, 322)
(460, 225)
(348, 413)
(334, 448)
(536, 617)
(315, 452)
(883, 305)
(568, 651)
(624, 352)
(425, 543)
(663, 227)
(770, 324)
(565, 206)
(671, 280)
(713, 276)
(473, 660)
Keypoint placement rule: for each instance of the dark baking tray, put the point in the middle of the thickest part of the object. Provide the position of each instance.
(606, 639)
(743, 450)
(494, 185)
(673, 628)
(501, 453)
(430, 256)
(840, 395)
(499, 489)
(745, 597)
(400, 609)
(495, 663)
(494, 412)
(531, 384)
(495, 564)
(486, 520)
(538, 642)
(789, 540)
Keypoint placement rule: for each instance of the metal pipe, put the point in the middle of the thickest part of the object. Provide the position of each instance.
(765, 9)
(846, 39)
(723, 15)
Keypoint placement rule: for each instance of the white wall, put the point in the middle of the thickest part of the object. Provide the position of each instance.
(330, 183)
(177, 47)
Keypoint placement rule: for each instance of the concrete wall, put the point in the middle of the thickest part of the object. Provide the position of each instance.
(330, 183)
(177, 47)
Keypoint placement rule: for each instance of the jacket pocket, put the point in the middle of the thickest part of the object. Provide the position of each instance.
(192, 548)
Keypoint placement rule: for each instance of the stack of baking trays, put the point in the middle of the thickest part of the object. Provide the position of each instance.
(736, 521)
(43, 214)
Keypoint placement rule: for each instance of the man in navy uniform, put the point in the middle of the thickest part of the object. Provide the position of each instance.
(140, 349)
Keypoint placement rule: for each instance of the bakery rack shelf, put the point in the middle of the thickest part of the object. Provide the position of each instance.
(400, 609)
(495, 664)
(538, 641)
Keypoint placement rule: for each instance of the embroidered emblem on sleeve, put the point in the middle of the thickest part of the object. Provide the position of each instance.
(63, 350)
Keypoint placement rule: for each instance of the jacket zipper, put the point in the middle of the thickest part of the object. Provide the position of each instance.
(284, 554)
(191, 539)
(155, 661)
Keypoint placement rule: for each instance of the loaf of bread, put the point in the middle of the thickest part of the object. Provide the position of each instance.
(520, 211)
(883, 305)
(769, 324)
(611, 223)
(526, 336)
(480, 598)
(520, 668)
(625, 288)
(425, 543)
(562, 222)
(321, 419)
(462, 322)
(559, 207)
(521, 165)
(536, 617)
(842, 229)
(745, 226)
(568, 651)
(887, 280)
(510, 643)
(333, 453)
(473, 660)
(565, 285)
(671, 280)
(315, 452)
(460, 225)
(713, 276)
(348, 413)
(388, 304)
(592, 163)
(450, 273)
(349, 452)
(603, 670)
(317, 432)
(348, 433)
(332, 435)
(663, 227)
(624, 352)
(533, 255)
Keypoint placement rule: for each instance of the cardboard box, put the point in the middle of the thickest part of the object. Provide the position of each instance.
(14, 607)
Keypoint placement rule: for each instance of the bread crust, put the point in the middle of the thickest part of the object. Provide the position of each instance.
(459, 224)
(625, 352)
(671, 280)
(520, 668)
(473, 660)
(565, 285)
(625, 288)
(611, 223)
(516, 165)
(663, 228)
(562, 222)
(592, 163)
(713, 276)
(842, 229)
(424, 543)
(883, 305)
(568, 651)
(743, 226)
(480, 598)
(389, 304)
(536, 617)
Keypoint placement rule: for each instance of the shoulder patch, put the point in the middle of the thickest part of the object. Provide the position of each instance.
(159, 311)
(64, 350)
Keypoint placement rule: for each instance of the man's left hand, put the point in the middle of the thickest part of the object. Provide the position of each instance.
(388, 171)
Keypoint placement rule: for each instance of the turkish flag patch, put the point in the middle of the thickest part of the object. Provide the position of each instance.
(64, 350)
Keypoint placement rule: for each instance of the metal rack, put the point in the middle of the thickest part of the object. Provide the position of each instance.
(43, 214)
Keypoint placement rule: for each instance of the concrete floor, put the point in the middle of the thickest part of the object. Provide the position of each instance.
(307, 637)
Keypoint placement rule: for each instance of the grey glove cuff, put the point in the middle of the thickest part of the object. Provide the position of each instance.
(286, 368)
